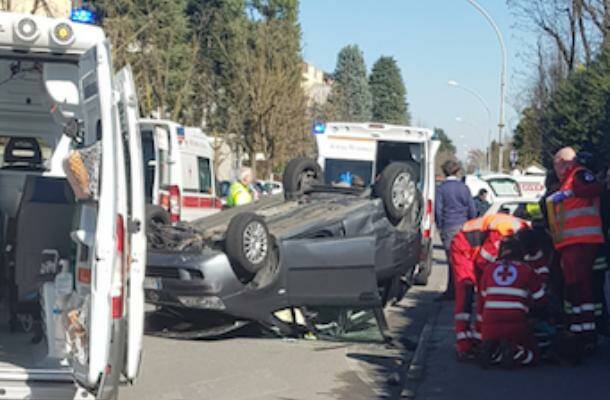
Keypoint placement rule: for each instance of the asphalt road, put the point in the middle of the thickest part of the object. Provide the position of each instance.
(255, 367)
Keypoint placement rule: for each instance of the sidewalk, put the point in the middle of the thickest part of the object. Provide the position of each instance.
(445, 378)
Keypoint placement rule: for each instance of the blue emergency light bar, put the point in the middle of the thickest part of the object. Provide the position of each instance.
(83, 16)
(319, 128)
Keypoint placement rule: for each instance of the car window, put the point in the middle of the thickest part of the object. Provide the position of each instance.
(504, 187)
(205, 175)
(149, 159)
(517, 209)
(334, 168)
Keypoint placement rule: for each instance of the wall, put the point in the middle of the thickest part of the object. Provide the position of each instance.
(52, 8)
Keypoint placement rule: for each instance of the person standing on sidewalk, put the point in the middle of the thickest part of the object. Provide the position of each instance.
(454, 206)
(576, 226)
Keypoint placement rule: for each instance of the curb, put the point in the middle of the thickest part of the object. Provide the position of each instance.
(415, 371)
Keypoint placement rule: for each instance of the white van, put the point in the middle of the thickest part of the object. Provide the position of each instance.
(365, 149)
(180, 183)
(73, 268)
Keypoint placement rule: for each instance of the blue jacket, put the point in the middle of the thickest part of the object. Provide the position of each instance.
(454, 204)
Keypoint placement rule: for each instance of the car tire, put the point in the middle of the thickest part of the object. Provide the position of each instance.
(423, 275)
(397, 188)
(248, 243)
(157, 215)
(300, 175)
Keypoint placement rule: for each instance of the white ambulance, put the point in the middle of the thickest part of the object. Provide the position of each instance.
(73, 261)
(179, 172)
(365, 149)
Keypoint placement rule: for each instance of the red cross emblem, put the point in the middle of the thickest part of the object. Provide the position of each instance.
(505, 275)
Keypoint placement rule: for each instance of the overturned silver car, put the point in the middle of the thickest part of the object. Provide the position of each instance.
(318, 245)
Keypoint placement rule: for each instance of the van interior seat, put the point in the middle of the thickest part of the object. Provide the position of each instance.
(44, 221)
(23, 153)
(12, 185)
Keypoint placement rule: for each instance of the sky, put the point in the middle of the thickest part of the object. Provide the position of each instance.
(433, 41)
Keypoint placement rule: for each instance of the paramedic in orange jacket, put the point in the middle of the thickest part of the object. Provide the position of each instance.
(576, 226)
(477, 242)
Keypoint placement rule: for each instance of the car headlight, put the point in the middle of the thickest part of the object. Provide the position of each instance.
(206, 302)
(27, 29)
(63, 34)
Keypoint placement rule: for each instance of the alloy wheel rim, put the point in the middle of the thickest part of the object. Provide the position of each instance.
(403, 191)
(256, 242)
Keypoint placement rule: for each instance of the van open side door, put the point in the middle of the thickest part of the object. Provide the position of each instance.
(136, 229)
(95, 235)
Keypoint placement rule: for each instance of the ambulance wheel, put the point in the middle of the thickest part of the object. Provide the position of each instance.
(248, 244)
(157, 215)
(397, 188)
(300, 175)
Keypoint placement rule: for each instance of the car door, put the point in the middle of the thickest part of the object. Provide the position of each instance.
(331, 272)
(95, 236)
(136, 229)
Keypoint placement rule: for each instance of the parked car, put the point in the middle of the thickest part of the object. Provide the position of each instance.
(274, 188)
(517, 206)
(321, 244)
(71, 226)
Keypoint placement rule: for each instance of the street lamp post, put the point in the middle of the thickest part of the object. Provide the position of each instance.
(503, 75)
(486, 106)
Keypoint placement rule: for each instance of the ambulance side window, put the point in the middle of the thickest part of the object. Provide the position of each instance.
(205, 175)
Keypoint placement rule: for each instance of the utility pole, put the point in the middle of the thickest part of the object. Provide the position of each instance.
(503, 77)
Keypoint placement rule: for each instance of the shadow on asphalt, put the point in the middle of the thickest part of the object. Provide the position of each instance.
(380, 372)
(376, 371)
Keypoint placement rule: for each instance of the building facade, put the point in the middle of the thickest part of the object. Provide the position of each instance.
(50, 8)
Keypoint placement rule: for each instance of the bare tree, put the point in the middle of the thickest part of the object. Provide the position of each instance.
(573, 29)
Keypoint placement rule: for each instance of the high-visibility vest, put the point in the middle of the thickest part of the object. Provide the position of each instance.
(504, 223)
(477, 230)
(576, 219)
(239, 195)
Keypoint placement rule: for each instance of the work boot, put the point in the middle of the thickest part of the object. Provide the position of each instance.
(489, 354)
(572, 348)
(508, 352)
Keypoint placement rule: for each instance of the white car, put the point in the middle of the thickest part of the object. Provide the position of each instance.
(512, 206)
(74, 244)
(273, 187)
(498, 186)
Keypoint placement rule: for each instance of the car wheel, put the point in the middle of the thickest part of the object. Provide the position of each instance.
(299, 176)
(248, 243)
(157, 215)
(398, 190)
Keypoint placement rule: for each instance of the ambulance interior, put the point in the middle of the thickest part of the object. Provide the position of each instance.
(37, 207)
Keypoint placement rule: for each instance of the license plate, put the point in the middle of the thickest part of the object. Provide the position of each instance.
(153, 283)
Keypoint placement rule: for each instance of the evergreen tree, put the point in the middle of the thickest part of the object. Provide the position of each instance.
(350, 99)
(155, 38)
(252, 76)
(446, 142)
(389, 93)
(527, 138)
(577, 113)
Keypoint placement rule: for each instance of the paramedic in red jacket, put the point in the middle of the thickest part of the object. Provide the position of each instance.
(509, 288)
(477, 241)
(576, 227)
